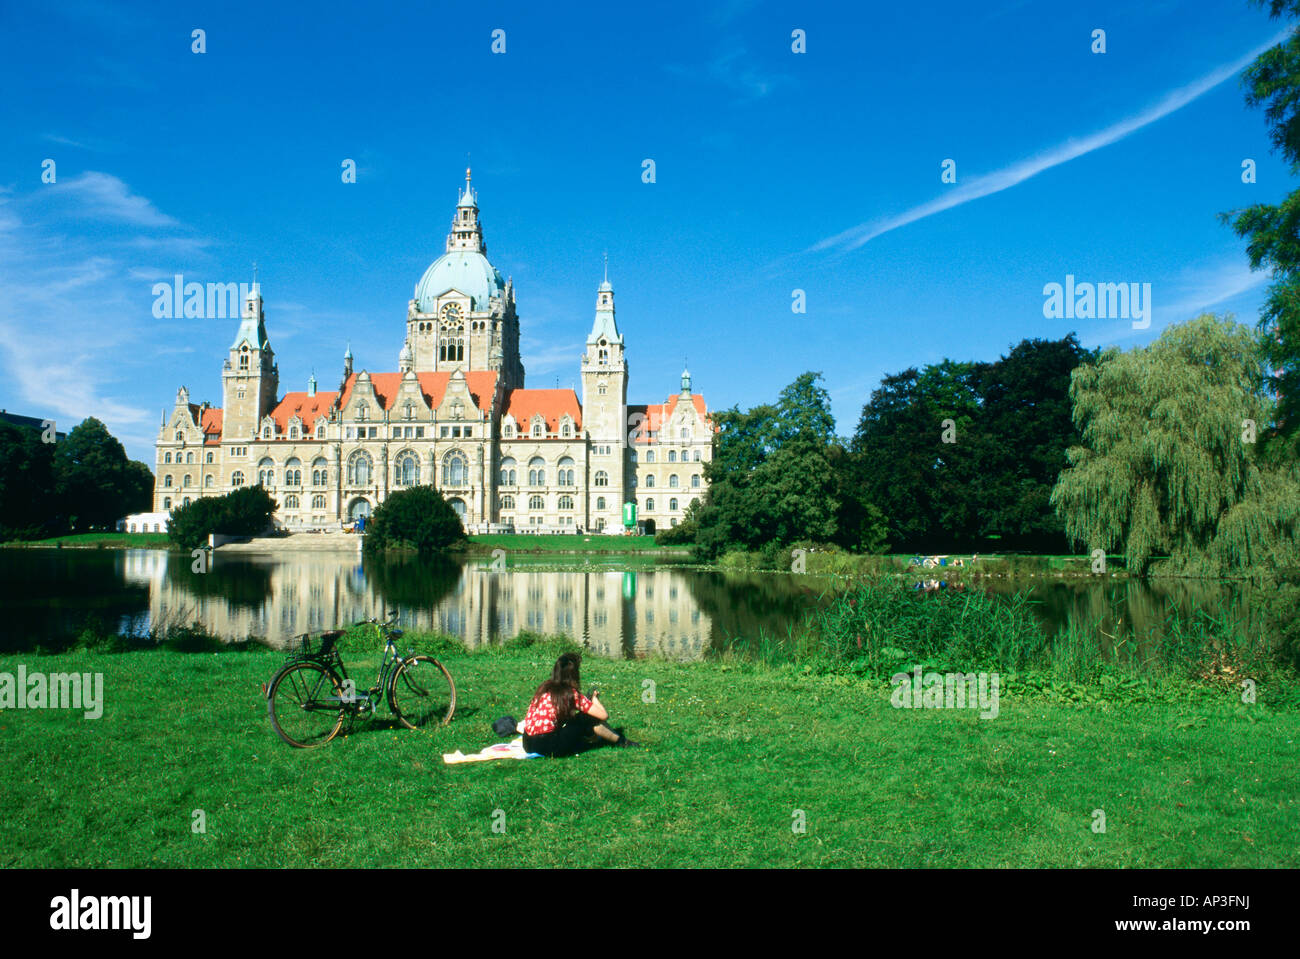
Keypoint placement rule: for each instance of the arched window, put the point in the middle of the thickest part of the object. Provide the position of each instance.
(293, 472)
(208, 458)
(243, 357)
(188, 480)
(189, 458)
(408, 412)
(508, 431)
(318, 501)
(697, 456)
(536, 502)
(650, 480)
(293, 432)
(564, 476)
(506, 502)
(237, 478)
(672, 456)
(167, 502)
(359, 467)
(319, 471)
(672, 480)
(602, 478)
(649, 505)
(566, 502)
(180, 436)
(672, 504)
(686, 433)
(407, 470)
(536, 471)
(266, 432)
(649, 456)
(695, 481)
(600, 502)
(538, 429)
(566, 431)
(455, 469)
(167, 457)
(320, 428)
(209, 481)
(508, 468)
(291, 501)
(266, 472)
(363, 411)
(167, 481)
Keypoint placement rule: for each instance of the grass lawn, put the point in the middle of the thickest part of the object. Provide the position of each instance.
(569, 543)
(93, 540)
(732, 751)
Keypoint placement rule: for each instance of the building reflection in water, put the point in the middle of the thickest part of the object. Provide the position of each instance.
(615, 613)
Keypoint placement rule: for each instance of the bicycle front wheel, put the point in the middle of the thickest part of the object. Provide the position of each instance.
(421, 693)
(305, 703)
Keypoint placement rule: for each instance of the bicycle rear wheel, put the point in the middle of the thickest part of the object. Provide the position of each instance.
(421, 693)
(305, 704)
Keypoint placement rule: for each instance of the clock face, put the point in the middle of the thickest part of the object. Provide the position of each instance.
(451, 312)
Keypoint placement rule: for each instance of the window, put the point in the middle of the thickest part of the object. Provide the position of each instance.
(455, 469)
(408, 412)
(566, 502)
(600, 502)
(167, 502)
(508, 467)
(565, 474)
(672, 456)
(188, 480)
(266, 472)
(167, 457)
(566, 431)
(672, 504)
(632, 455)
(602, 478)
(167, 481)
(319, 471)
(237, 478)
(320, 429)
(293, 432)
(318, 501)
(536, 502)
(650, 480)
(538, 430)
(266, 432)
(243, 358)
(697, 456)
(649, 456)
(189, 458)
(359, 469)
(508, 431)
(649, 505)
(209, 481)
(293, 472)
(695, 481)
(208, 458)
(506, 502)
(672, 480)
(363, 412)
(291, 501)
(180, 436)
(407, 470)
(536, 472)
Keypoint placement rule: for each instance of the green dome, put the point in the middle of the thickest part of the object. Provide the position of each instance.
(463, 270)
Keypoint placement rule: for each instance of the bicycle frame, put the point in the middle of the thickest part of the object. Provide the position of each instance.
(353, 701)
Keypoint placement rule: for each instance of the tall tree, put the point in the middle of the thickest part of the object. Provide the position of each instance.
(1273, 231)
(96, 482)
(1168, 465)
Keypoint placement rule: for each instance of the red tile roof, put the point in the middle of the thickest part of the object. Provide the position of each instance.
(656, 414)
(309, 408)
(210, 423)
(482, 384)
(523, 405)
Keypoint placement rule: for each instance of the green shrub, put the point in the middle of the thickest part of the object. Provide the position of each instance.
(418, 517)
(243, 512)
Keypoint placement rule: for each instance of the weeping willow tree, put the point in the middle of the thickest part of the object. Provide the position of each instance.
(1169, 464)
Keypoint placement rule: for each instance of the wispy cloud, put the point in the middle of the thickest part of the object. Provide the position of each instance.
(1022, 170)
(734, 68)
(104, 196)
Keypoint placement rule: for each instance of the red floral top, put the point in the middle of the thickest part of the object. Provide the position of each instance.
(540, 718)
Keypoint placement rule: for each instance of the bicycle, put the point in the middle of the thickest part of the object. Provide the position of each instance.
(311, 695)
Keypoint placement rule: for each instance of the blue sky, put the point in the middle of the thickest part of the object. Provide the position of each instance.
(775, 171)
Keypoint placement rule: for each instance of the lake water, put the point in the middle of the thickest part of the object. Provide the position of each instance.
(619, 606)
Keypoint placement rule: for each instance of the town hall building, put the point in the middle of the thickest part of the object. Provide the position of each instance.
(455, 415)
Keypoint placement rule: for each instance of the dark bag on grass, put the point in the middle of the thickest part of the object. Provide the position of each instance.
(505, 726)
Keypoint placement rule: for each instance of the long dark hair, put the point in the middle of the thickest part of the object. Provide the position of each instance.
(563, 685)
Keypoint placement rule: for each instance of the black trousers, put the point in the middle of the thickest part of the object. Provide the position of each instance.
(568, 738)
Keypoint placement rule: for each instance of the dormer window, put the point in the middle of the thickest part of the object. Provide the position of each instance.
(363, 411)
(537, 429)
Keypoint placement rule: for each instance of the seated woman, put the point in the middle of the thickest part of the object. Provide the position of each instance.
(561, 721)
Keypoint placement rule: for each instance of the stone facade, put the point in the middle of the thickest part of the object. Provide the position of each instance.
(456, 415)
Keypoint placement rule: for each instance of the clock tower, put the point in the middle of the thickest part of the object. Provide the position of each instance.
(604, 412)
